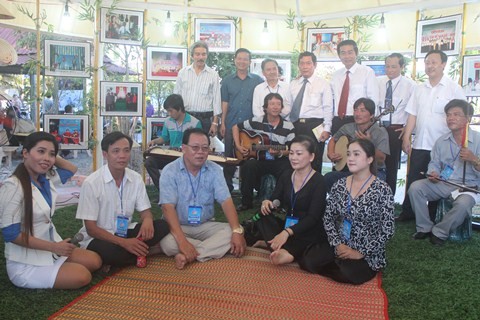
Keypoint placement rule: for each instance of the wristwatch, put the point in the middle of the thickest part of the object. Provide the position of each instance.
(238, 230)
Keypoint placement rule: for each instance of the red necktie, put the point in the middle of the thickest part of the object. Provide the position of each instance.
(342, 104)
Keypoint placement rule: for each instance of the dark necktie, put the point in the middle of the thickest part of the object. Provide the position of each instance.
(297, 104)
(342, 104)
(388, 95)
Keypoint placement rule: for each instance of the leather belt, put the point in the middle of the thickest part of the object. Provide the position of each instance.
(201, 115)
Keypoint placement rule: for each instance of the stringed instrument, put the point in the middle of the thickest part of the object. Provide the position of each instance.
(257, 144)
(170, 154)
(341, 145)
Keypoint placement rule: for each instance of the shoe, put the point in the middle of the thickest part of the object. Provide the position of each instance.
(421, 235)
(436, 241)
(243, 207)
(403, 217)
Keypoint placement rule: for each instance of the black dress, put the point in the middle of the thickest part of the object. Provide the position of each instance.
(309, 208)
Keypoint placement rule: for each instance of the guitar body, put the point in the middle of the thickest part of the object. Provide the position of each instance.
(252, 141)
(341, 148)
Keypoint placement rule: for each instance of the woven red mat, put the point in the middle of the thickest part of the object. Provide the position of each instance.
(228, 288)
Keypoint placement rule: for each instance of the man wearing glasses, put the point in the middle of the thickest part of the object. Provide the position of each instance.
(190, 185)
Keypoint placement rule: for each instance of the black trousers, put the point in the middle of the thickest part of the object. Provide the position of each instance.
(252, 170)
(115, 255)
(205, 118)
(419, 160)
(153, 165)
(320, 258)
(269, 226)
(393, 159)
(304, 127)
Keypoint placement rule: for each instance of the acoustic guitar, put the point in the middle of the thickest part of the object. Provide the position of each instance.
(341, 145)
(257, 145)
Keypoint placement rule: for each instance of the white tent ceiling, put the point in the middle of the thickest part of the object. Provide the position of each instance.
(307, 10)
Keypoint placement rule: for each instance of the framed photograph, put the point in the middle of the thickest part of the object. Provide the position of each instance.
(71, 131)
(377, 65)
(323, 42)
(67, 59)
(164, 63)
(219, 34)
(121, 26)
(154, 128)
(70, 92)
(439, 34)
(285, 68)
(122, 99)
(471, 75)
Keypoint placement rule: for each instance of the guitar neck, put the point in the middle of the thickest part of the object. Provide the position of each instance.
(262, 147)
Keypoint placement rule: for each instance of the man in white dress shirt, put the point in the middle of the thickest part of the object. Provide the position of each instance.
(271, 85)
(395, 90)
(199, 86)
(427, 116)
(362, 83)
(314, 108)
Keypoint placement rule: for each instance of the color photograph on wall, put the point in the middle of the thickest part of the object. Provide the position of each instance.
(164, 63)
(471, 75)
(219, 34)
(71, 131)
(378, 66)
(67, 59)
(123, 99)
(323, 42)
(121, 26)
(439, 34)
(154, 128)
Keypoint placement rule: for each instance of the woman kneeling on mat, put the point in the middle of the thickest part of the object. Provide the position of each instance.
(35, 253)
(302, 192)
(358, 222)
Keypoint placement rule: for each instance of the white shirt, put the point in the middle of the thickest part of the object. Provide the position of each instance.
(100, 199)
(363, 84)
(317, 99)
(200, 93)
(261, 92)
(427, 104)
(402, 90)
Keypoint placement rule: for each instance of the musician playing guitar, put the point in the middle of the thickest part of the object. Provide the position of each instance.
(274, 160)
(172, 133)
(363, 113)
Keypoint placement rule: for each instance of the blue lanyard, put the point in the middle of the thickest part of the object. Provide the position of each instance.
(454, 156)
(191, 184)
(349, 205)
(120, 194)
(268, 87)
(293, 195)
(181, 126)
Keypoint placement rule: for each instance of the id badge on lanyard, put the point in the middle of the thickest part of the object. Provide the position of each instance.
(290, 221)
(121, 226)
(194, 214)
(347, 228)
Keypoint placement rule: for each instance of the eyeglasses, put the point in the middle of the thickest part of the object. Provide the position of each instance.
(198, 148)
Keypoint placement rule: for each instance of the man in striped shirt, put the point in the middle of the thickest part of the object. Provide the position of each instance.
(199, 86)
(277, 133)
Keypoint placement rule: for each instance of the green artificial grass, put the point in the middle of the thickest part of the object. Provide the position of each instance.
(421, 281)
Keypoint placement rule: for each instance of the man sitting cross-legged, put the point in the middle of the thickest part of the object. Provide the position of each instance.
(449, 156)
(274, 158)
(108, 199)
(363, 113)
(190, 185)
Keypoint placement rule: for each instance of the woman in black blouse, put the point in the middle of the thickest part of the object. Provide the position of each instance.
(302, 193)
(358, 222)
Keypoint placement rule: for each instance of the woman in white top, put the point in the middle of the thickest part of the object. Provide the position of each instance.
(36, 255)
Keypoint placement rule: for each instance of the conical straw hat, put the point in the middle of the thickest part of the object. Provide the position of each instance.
(8, 55)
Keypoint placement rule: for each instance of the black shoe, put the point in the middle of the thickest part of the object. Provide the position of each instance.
(436, 241)
(243, 207)
(421, 235)
(403, 217)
